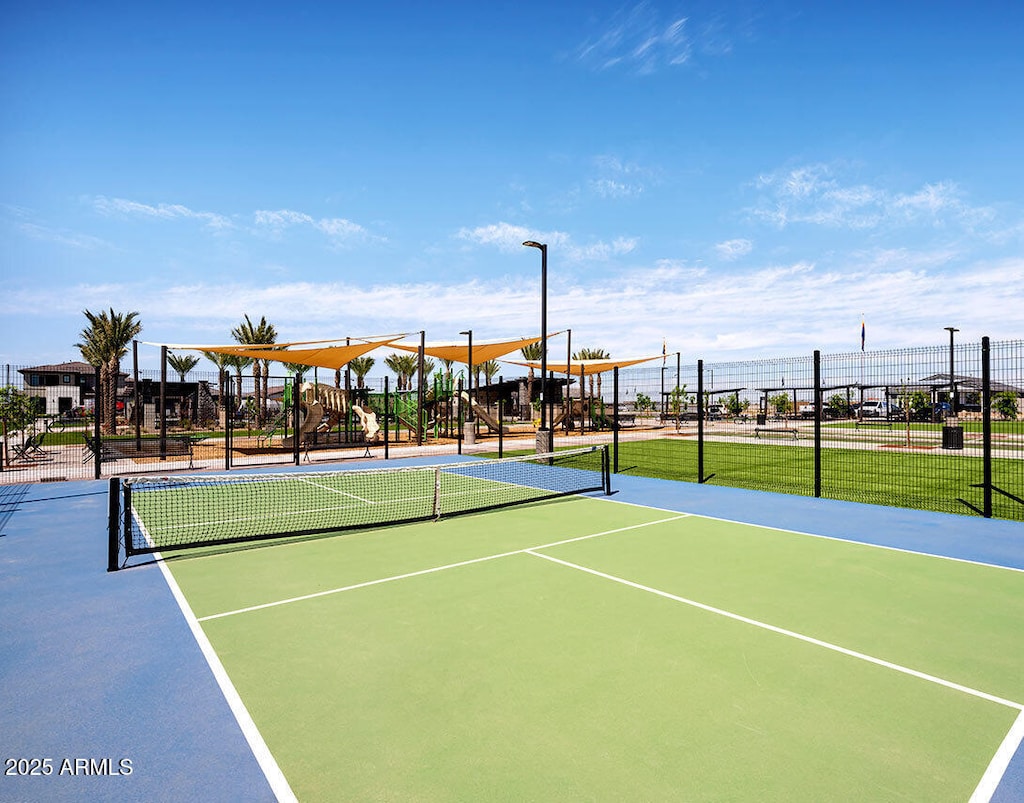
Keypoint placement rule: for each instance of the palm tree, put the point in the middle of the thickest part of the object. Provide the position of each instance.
(531, 353)
(361, 366)
(404, 366)
(490, 369)
(223, 363)
(104, 342)
(182, 363)
(592, 354)
(238, 364)
(250, 334)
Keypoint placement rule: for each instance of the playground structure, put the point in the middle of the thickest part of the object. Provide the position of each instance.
(328, 415)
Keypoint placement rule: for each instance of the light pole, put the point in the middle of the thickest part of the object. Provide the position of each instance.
(952, 381)
(544, 442)
(469, 415)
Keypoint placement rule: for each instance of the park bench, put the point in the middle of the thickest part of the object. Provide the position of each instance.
(876, 422)
(758, 431)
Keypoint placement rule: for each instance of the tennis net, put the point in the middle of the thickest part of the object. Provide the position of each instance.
(151, 514)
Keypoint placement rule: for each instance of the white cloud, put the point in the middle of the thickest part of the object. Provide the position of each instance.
(638, 39)
(730, 250)
(67, 238)
(817, 195)
(338, 229)
(509, 237)
(121, 207)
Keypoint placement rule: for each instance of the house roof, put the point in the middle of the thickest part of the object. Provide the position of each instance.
(70, 367)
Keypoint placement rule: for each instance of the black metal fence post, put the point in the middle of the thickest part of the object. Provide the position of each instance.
(296, 419)
(96, 434)
(458, 417)
(700, 421)
(986, 428)
(817, 424)
(387, 423)
(615, 419)
(501, 425)
(229, 418)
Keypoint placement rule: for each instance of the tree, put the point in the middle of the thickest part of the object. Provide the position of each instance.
(840, 406)
(261, 334)
(361, 366)
(734, 405)
(237, 364)
(490, 369)
(592, 354)
(182, 363)
(17, 410)
(1005, 403)
(403, 366)
(222, 361)
(781, 403)
(104, 342)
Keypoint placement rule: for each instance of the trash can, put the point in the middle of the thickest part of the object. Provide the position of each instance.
(952, 437)
(761, 419)
(469, 433)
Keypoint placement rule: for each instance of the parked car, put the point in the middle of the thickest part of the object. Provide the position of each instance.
(879, 409)
(715, 412)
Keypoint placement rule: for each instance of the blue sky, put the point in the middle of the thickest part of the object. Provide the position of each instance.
(740, 179)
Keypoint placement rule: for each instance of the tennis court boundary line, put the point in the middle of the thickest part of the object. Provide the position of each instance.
(261, 752)
(434, 569)
(996, 768)
(782, 631)
(823, 536)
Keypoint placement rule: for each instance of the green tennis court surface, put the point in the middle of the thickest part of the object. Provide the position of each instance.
(585, 649)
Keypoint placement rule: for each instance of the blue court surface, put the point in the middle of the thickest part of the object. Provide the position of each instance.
(109, 695)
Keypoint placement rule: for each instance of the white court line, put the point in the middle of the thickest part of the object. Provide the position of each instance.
(1000, 761)
(433, 569)
(784, 632)
(823, 536)
(336, 491)
(275, 777)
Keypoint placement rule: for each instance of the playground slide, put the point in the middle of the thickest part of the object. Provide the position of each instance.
(368, 419)
(314, 413)
(482, 414)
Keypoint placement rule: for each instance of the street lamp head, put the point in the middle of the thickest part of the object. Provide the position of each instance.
(535, 244)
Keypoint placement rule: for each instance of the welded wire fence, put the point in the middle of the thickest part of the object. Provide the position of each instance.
(930, 428)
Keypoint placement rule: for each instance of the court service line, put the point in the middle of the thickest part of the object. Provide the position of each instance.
(434, 569)
(784, 632)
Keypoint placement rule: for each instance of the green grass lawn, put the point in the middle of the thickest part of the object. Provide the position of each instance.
(878, 476)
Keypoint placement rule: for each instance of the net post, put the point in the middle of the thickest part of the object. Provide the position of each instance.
(606, 473)
(437, 492)
(113, 521)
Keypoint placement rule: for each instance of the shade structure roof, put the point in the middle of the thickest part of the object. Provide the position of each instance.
(482, 351)
(319, 353)
(586, 366)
